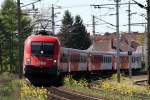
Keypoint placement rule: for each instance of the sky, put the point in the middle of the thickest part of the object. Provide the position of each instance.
(107, 13)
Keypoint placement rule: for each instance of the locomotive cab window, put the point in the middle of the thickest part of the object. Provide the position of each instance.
(45, 49)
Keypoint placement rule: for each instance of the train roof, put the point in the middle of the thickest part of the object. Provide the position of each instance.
(99, 52)
(41, 38)
(113, 52)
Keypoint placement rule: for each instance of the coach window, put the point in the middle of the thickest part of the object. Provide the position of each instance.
(81, 58)
(84, 58)
(104, 59)
(133, 59)
(101, 59)
(136, 59)
(96, 59)
(109, 59)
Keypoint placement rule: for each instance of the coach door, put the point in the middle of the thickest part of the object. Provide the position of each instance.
(83, 62)
(64, 60)
(136, 62)
(96, 62)
(106, 61)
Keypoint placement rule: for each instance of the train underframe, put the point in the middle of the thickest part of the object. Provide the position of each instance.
(43, 76)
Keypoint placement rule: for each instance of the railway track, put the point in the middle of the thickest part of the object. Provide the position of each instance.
(59, 93)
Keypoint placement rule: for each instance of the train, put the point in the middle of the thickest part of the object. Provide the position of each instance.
(45, 60)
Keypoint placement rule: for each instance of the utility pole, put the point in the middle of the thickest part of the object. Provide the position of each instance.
(129, 40)
(19, 34)
(53, 21)
(148, 36)
(148, 39)
(117, 37)
(93, 23)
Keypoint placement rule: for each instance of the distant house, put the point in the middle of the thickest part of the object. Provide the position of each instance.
(103, 42)
(107, 42)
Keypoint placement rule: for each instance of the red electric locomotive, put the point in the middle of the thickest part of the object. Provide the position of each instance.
(41, 57)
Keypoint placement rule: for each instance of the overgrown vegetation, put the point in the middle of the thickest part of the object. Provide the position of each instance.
(109, 88)
(29, 92)
(11, 88)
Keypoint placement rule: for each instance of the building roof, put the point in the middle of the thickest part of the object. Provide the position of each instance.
(107, 42)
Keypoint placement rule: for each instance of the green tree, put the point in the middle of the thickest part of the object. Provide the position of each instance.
(73, 34)
(80, 39)
(8, 34)
(67, 24)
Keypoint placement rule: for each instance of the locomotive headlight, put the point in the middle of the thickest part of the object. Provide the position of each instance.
(55, 62)
(28, 61)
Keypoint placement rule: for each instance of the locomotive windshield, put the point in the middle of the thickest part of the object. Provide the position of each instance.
(45, 49)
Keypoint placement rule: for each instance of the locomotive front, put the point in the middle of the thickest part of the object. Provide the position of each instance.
(41, 56)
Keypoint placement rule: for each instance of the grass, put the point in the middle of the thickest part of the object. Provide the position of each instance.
(12, 88)
(109, 88)
(8, 91)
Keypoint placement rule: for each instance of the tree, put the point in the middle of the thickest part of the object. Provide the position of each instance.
(73, 34)
(9, 38)
(79, 37)
(67, 24)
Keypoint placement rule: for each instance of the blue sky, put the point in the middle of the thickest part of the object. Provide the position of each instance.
(83, 8)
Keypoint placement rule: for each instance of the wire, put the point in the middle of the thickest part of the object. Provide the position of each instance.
(56, 2)
(74, 6)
